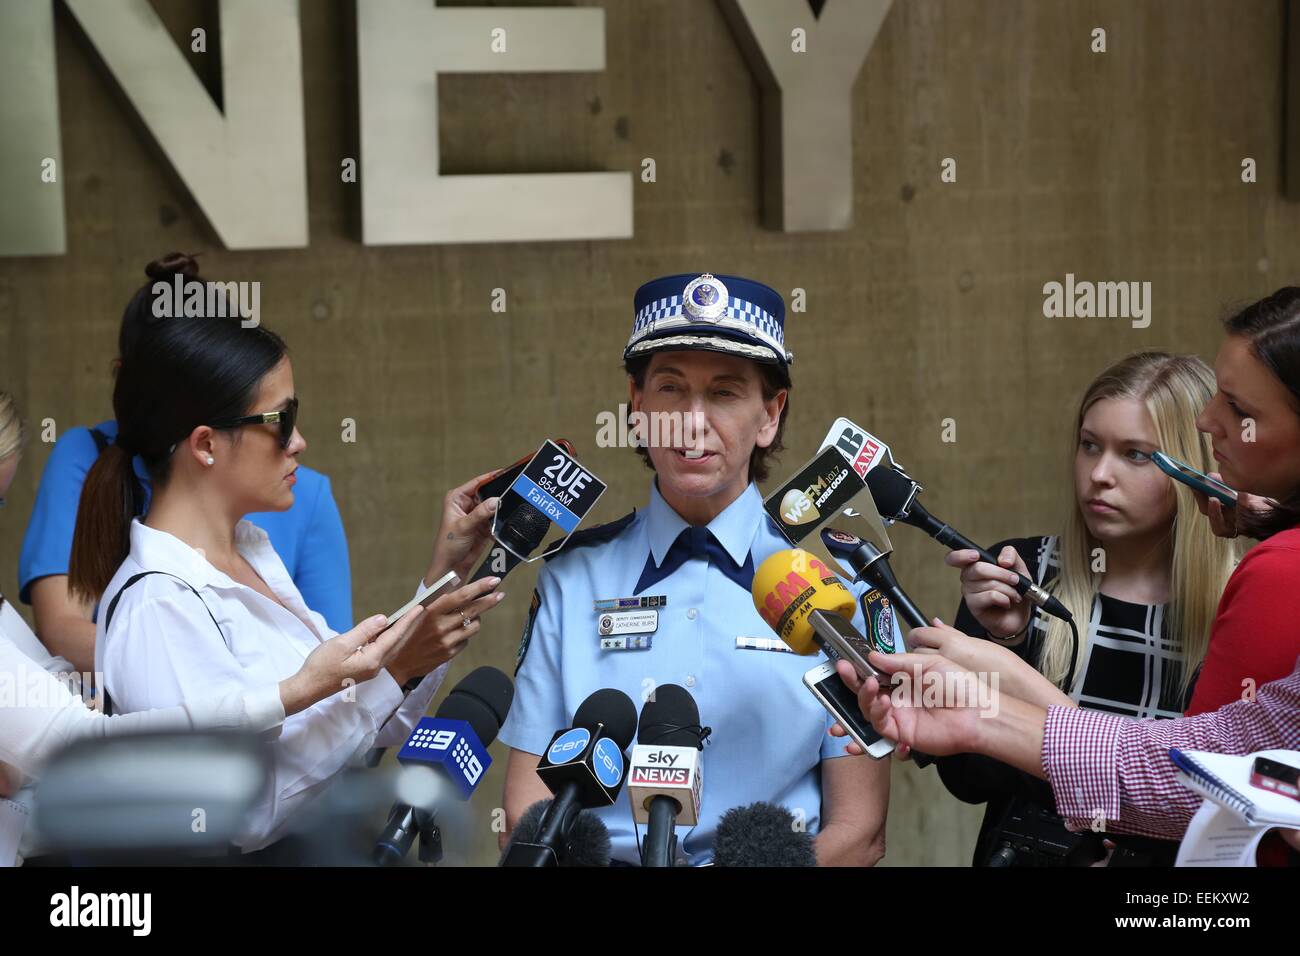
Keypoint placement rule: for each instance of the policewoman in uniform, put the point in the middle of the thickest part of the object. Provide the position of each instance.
(671, 584)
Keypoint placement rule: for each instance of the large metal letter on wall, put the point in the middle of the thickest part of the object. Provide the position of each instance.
(402, 47)
(807, 84)
(31, 163)
(246, 169)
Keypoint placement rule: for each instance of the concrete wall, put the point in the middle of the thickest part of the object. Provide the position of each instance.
(1116, 166)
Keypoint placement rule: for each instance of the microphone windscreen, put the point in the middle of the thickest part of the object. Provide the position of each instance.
(589, 843)
(670, 718)
(523, 529)
(789, 586)
(761, 834)
(614, 709)
(890, 490)
(482, 699)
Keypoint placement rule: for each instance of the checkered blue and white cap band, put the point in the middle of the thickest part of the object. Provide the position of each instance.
(715, 310)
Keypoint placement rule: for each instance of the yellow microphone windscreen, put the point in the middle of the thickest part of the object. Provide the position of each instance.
(790, 585)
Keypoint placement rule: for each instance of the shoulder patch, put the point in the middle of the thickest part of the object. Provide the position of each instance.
(596, 535)
(528, 630)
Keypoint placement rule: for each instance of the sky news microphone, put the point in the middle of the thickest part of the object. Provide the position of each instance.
(895, 493)
(583, 768)
(588, 843)
(665, 775)
(762, 834)
(444, 759)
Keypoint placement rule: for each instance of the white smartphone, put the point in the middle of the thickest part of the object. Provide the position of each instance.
(437, 589)
(828, 687)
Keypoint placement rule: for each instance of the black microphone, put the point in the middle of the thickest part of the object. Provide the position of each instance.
(588, 843)
(583, 768)
(481, 699)
(894, 492)
(870, 564)
(518, 535)
(761, 834)
(664, 776)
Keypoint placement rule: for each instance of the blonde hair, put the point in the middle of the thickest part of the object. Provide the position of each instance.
(1174, 389)
(13, 434)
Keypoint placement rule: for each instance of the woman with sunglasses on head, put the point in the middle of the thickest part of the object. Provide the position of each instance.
(308, 536)
(43, 715)
(194, 598)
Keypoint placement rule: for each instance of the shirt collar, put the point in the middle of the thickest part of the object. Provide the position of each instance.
(735, 528)
(156, 550)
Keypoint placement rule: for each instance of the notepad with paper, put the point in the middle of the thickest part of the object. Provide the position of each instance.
(1235, 815)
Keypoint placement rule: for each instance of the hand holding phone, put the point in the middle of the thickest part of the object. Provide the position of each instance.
(427, 596)
(1196, 480)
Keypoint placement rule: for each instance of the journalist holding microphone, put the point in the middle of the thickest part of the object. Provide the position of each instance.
(44, 715)
(1098, 763)
(308, 536)
(1148, 606)
(194, 599)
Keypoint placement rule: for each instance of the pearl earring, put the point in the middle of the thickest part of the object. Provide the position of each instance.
(211, 460)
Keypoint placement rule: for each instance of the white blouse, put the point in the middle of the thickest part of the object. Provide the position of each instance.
(41, 716)
(163, 649)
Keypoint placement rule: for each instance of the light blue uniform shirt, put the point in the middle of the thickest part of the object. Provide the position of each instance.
(308, 537)
(769, 732)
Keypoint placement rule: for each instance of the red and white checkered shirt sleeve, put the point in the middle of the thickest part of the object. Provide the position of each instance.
(1116, 773)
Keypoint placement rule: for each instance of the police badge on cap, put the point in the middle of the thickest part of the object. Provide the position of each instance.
(712, 313)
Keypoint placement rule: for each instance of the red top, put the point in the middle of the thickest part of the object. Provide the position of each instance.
(1256, 633)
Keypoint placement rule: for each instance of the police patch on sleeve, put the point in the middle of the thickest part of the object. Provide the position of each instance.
(528, 629)
(880, 621)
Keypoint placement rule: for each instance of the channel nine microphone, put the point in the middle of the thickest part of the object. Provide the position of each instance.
(445, 757)
(665, 775)
(895, 492)
(552, 487)
(583, 767)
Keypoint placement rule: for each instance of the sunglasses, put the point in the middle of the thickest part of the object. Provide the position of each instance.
(286, 419)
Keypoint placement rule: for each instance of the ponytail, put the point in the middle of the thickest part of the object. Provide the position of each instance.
(110, 498)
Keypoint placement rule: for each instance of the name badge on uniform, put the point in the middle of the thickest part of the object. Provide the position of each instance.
(629, 622)
(627, 630)
(762, 644)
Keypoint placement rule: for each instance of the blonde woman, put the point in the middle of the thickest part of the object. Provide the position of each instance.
(1136, 564)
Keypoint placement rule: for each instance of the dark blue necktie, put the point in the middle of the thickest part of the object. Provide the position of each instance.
(697, 543)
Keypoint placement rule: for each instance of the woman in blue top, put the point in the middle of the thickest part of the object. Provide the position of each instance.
(308, 537)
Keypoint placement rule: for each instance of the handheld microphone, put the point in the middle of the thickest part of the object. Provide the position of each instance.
(870, 564)
(445, 757)
(809, 608)
(551, 488)
(583, 768)
(588, 843)
(761, 834)
(664, 775)
(895, 493)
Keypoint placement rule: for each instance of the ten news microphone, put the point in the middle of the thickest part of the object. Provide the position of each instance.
(583, 768)
(895, 492)
(450, 749)
(588, 843)
(762, 834)
(664, 776)
(870, 564)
